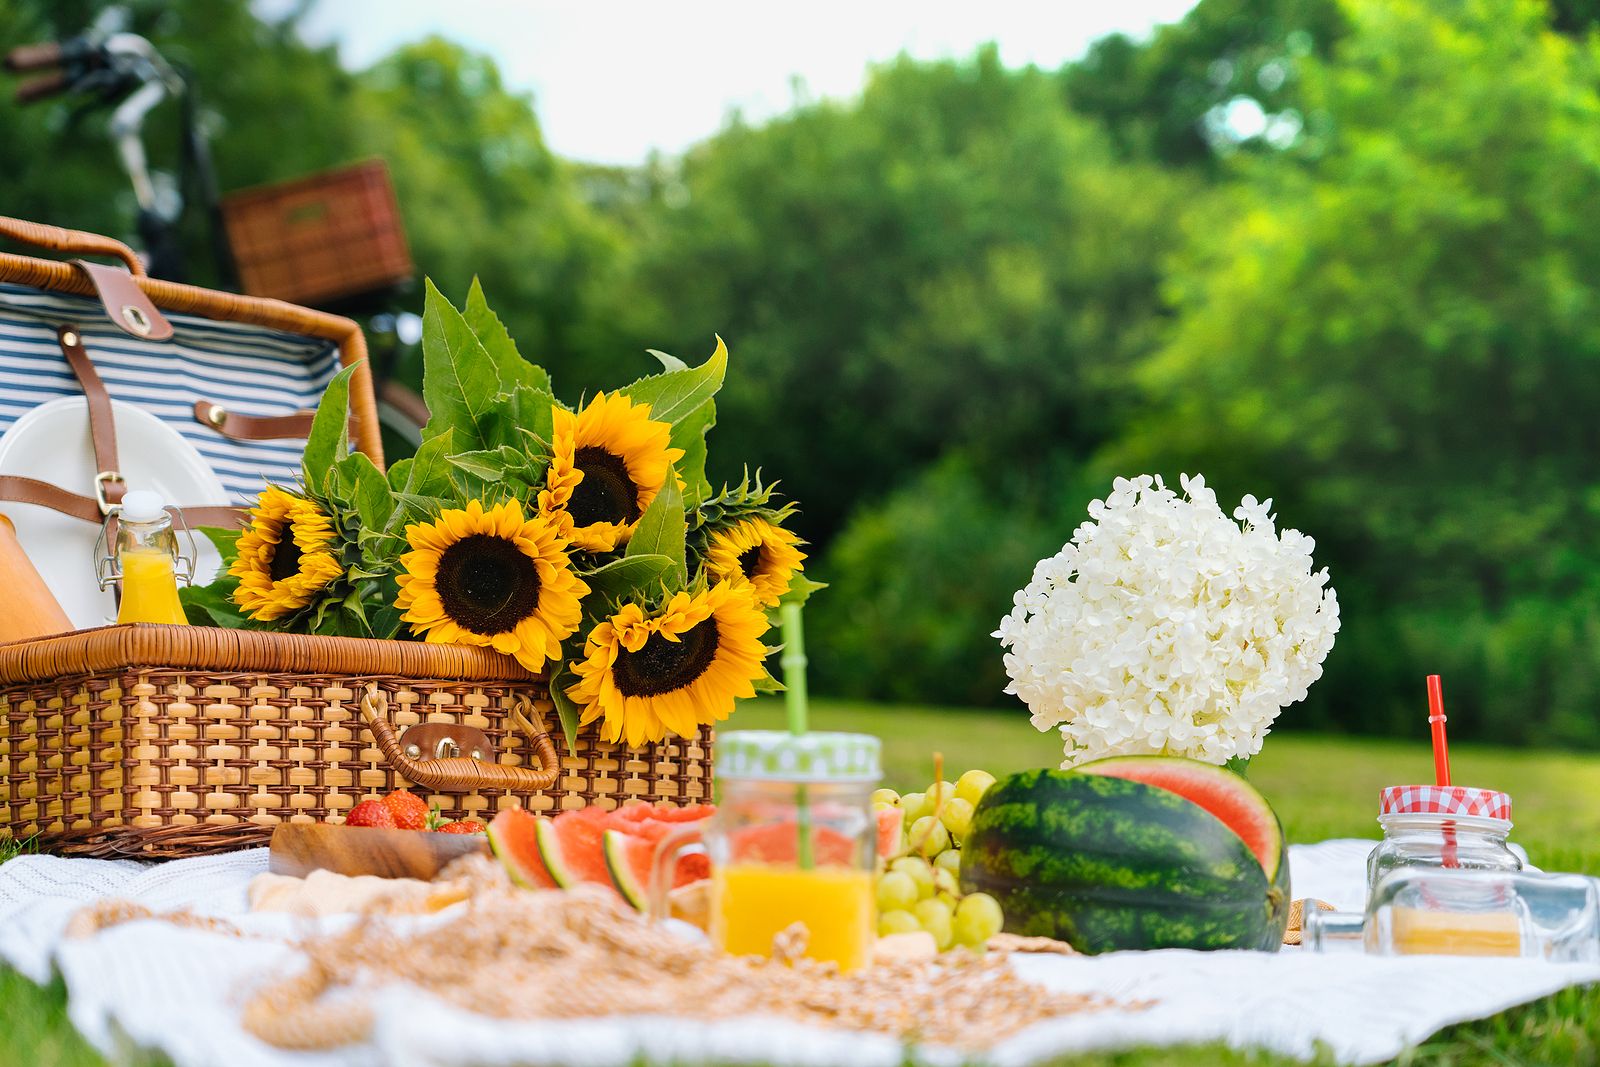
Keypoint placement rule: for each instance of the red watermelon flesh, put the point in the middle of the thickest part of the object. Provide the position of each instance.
(630, 860)
(544, 853)
(891, 822)
(1234, 801)
(513, 837)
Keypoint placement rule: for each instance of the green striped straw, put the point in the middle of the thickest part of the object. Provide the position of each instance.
(794, 699)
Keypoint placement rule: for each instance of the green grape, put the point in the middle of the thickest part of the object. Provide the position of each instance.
(886, 797)
(949, 860)
(944, 881)
(937, 792)
(936, 917)
(918, 870)
(912, 803)
(897, 891)
(977, 919)
(928, 836)
(957, 817)
(897, 922)
(972, 785)
(878, 805)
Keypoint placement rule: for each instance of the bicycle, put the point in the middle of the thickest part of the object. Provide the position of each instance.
(108, 66)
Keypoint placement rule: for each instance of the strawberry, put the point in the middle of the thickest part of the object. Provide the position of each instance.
(409, 810)
(461, 827)
(370, 813)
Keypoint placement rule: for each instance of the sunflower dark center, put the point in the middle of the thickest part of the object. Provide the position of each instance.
(285, 562)
(662, 666)
(749, 560)
(607, 493)
(486, 584)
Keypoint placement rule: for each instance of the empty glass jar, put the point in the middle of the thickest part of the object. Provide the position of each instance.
(1451, 827)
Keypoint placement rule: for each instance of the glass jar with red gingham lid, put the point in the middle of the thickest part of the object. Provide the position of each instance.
(1442, 826)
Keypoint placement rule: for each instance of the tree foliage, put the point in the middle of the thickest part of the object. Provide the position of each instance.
(959, 303)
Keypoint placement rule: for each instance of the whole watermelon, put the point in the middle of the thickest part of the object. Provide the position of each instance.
(1107, 864)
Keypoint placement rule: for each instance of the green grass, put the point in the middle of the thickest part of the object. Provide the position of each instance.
(1321, 786)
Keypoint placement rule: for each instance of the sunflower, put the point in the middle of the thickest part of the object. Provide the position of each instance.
(607, 464)
(755, 550)
(491, 578)
(651, 675)
(285, 557)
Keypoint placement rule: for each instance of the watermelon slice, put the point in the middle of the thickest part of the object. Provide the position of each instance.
(513, 837)
(629, 859)
(891, 823)
(1234, 801)
(569, 850)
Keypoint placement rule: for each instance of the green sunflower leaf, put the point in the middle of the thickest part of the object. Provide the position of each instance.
(524, 413)
(689, 434)
(676, 394)
(663, 530)
(567, 711)
(212, 605)
(226, 542)
(668, 360)
(427, 474)
(374, 502)
(629, 577)
(766, 685)
(329, 440)
(510, 367)
(489, 466)
(460, 379)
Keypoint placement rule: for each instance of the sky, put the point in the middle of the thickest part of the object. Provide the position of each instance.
(615, 80)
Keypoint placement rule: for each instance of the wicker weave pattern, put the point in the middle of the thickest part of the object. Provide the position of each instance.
(166, 761)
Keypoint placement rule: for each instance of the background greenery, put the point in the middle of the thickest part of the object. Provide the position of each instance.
(961, 302)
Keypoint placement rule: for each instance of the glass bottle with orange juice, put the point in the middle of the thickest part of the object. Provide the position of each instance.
(147, 561)
(793, 841)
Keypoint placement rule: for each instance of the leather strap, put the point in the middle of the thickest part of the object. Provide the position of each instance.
(126, 304)
(102, 425)
(253, 427)
(14, 487)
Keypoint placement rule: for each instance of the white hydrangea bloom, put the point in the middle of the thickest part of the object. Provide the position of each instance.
(1164, 627)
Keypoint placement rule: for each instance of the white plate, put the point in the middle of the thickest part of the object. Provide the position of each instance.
(52, 443)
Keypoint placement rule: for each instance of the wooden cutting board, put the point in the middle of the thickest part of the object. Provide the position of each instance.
(298, 849)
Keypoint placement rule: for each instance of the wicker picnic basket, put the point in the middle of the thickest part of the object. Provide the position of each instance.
(162, 742)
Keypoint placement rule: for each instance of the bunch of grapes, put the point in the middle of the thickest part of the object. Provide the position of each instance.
(920, 889)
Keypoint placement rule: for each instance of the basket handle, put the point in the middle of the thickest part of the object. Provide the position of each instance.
(60, 239)
(458, 774)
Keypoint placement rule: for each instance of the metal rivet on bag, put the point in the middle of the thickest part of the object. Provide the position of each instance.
(413, 751)
(137, 320)
(69, 339)
(216, 415)
(477, 753)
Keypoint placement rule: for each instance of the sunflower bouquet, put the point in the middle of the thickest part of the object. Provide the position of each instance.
(585, 541)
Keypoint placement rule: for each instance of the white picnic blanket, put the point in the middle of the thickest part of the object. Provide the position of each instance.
(179, 989)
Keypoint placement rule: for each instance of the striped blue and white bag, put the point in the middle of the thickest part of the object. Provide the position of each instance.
(110, 382)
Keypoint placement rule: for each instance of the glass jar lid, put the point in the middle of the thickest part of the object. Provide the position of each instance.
(777, 756)
(1444, 800)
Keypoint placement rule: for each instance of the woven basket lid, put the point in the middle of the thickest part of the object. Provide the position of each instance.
(776, 756)
(1444, 800)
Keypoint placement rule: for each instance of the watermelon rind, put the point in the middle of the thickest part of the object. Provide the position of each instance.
(548, 841)
(1108, 864)
(623, 876)
(1174, 773)
(512, 840)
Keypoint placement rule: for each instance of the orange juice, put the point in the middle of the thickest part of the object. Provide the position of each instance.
(149, 587)
(1419, 932)
(754, 902)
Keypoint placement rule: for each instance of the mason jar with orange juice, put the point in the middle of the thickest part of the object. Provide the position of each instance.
(793, 842)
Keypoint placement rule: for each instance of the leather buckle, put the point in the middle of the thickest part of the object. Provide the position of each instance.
(101, 480)
(441, 740)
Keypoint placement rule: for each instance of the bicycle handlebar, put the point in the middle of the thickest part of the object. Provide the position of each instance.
(45, 56)
(46, 85)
